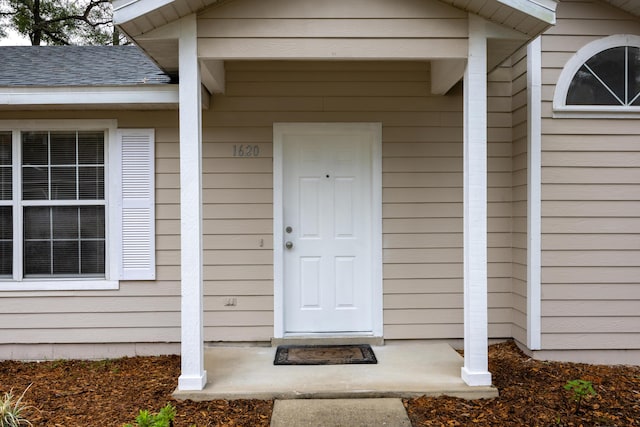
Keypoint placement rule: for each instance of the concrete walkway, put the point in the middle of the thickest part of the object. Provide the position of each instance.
(339, 413)
(404, 369)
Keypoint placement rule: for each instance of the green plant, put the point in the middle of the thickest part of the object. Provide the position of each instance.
(104, 365)
(580, 389)
(164, 418)
(12, 410)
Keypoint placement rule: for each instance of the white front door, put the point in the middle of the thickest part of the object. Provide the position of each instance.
(327, 236)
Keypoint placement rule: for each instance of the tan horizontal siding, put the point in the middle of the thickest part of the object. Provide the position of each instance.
(439, 316)
(78, 334)
(590, 202)
(573, 325)
(591, 341)
(139, 311)
(593, 291)
(519, 159)
(290, 9)
(90, 320)
(445, 331)
(590, 275)
(332, 28)
(422, 205)
(438, 285)
(408, 29)
(238, 333)
(422, 179)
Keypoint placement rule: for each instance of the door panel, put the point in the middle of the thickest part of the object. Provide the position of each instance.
(327, 202)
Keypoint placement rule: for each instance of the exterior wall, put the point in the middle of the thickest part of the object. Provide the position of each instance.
(422, 208)
(591, 203)
(519, 194)
(422, 191)
(500, 197)
(136, 313)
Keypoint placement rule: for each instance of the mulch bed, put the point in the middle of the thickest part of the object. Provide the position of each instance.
(532, 394)
(110, 393)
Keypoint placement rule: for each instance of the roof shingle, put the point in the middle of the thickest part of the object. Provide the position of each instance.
(24, 66)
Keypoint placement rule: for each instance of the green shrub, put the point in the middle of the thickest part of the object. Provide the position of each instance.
(164, 418)
(581, 389)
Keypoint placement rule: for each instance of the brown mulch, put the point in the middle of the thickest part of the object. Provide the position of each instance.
(532, 394)
(111, 392)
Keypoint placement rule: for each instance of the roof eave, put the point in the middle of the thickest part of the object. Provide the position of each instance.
(158, 96)
(543, 10)
(131, 11)
(128, 10)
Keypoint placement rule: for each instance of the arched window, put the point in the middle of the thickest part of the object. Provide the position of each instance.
(603, 77)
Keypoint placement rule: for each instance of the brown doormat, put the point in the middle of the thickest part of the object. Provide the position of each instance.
(324, 355)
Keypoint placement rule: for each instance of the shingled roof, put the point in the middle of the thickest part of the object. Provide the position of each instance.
(28, 66)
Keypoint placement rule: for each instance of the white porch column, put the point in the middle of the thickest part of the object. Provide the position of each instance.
(193, 376)
(475, 371)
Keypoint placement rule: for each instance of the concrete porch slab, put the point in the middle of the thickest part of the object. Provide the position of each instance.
(404, 369)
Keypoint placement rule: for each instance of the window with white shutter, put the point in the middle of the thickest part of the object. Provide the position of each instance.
(76, 205)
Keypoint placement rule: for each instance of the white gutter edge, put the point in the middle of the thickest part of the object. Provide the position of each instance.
(124, 11)
(89, 95)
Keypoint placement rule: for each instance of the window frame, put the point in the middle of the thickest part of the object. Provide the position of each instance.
(111, 195)
(561, 109)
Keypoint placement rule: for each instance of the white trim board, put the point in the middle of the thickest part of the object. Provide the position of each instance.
(166, 94)
(279, 130)
(127, 10)
(543, 10)
(534, 193)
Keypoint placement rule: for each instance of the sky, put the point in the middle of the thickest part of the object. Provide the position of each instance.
(14, 39)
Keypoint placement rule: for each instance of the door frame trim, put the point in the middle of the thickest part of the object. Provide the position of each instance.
(279, 131)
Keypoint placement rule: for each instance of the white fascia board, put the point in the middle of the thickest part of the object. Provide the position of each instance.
(544, 10)
(125, 11)
(90, 95)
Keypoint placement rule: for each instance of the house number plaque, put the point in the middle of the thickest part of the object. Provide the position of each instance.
(246, 150)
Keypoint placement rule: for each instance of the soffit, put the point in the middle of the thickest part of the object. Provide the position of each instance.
(631, 6)
(137, 17)
(528, 17)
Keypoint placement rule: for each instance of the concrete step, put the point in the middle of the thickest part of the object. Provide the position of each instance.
(339, 413)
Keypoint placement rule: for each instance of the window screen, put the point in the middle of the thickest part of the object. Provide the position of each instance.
(63, 203)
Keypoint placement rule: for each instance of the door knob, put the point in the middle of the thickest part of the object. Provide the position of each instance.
(288, 245)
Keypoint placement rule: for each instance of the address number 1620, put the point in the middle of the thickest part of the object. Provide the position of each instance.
(246, 150)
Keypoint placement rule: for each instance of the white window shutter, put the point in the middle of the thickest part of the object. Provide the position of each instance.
(137, 183)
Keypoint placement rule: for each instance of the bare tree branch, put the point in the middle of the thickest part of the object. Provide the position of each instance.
(59, 21)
